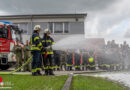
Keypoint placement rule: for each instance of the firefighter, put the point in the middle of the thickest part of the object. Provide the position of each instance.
(36, 47)
(69, 61)
(77, 60)
(27, 55)
(18, 51)
(91, 62)
(57, 59)
(85, 60)
(63, 59)
(47, 53)
(111, 67)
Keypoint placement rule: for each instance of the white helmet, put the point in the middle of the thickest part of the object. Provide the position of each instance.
(46, 30)
(37, 27)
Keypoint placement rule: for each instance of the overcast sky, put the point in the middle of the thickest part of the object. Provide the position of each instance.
(107, 18)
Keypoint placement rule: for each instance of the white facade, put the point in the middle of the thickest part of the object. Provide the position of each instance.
(60, 25)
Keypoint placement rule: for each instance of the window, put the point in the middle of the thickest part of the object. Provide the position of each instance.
(4, 33)
(66, 27)
(59, 27)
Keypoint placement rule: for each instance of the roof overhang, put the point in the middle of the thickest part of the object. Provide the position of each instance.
(82, 15)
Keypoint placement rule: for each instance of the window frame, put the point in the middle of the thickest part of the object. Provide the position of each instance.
(63, 27)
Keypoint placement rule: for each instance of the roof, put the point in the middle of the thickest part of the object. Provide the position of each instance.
(78, 15)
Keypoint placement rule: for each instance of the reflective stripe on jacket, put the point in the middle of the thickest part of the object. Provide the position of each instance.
(35, 42)
(48, 41)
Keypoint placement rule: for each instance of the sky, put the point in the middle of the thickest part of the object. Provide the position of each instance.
(112, 22)
(106, 18)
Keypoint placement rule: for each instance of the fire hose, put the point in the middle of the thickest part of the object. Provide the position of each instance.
(12, 72)
(27, 62)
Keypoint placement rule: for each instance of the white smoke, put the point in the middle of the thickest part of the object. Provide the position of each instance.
(110, 23)
(70, 42)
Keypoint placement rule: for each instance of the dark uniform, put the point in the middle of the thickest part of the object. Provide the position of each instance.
(27, 55)
(47, 55)
(91, 62)
(85, 60)
(69, 61)
(57, 59)
(36, 46)
(77, 61)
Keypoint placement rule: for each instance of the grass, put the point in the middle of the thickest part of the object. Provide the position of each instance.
(28, 82)
(94, 83)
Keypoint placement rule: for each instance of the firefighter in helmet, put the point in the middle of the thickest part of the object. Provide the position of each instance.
(47, 53)
(36, 47)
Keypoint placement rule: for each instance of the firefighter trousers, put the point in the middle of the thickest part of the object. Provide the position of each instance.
(48, 61)
(36, 61)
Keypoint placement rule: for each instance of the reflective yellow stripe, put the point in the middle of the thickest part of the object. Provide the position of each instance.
(117, 64)
(46, 67)
(53, 43)
(35, 48)
(40, 44)
(36, 38)
(46, 41)
(34, 70)
(38, 69)
(93, 65)
(75, 66)
(108, 66)
(58, 67)
(51, 67)
(68, 65)
(54, 66)
(48, 52)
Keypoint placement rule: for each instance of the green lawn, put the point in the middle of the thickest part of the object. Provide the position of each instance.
(93, 83)
(27, 82)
